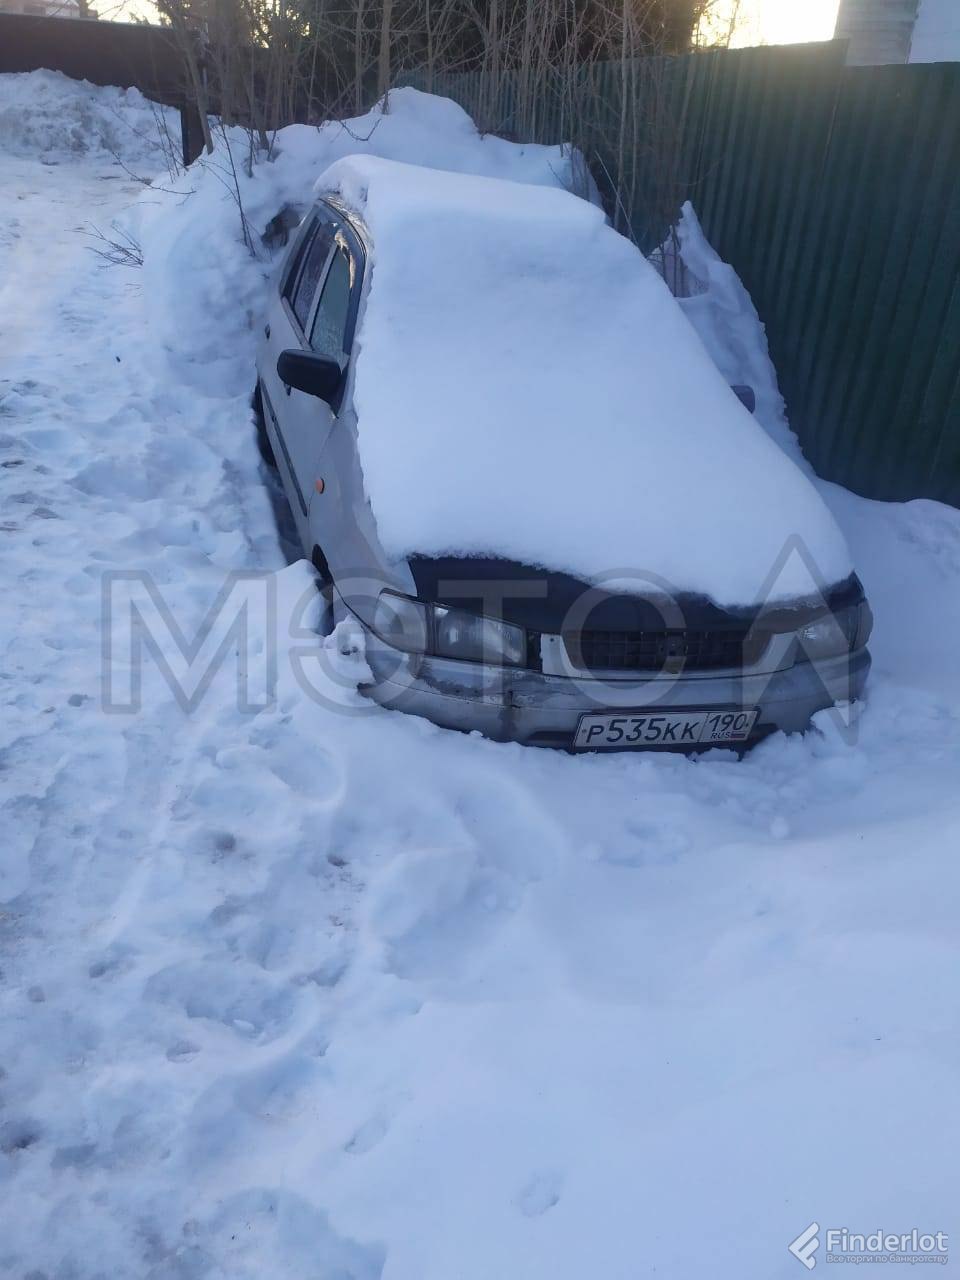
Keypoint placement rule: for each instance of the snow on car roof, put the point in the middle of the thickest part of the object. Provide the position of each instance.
(527, 387)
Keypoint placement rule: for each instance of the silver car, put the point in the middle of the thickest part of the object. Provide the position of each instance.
(476, 642)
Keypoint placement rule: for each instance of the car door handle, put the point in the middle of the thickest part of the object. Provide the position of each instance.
(266, 331)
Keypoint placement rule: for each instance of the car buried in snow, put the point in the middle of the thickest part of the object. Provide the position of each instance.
(512, 461)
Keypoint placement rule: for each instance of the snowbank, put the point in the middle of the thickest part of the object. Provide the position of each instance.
(196, 262)
(424, 129)
(527, 387)
(722, 312)
(44, 113)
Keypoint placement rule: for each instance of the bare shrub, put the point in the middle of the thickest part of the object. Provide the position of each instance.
(118, 249)
(602, 75)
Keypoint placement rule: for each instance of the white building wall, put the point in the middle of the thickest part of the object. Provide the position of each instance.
(878, 31)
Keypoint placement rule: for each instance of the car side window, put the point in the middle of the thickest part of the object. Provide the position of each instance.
(311, 271)
(330, 322)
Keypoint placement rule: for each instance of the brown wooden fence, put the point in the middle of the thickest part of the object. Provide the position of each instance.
(106, 53)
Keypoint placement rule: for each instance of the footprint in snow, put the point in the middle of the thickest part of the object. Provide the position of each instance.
(182, 1051)
(540, 1193)
(18, 1135)
(111, 963)
(646, 844)
(370, 1134)
(221, 844)
(317, 776)
(80, 1156)
(239, 997)
(329, 973)
(266, 1224)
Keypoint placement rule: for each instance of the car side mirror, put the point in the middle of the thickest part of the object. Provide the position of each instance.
(747, 397)
(311, 373)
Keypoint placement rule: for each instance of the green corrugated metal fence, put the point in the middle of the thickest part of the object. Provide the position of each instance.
(835, 193)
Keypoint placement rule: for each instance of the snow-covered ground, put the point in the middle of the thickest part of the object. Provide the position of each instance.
(323, 991)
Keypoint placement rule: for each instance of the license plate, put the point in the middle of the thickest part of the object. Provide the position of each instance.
(664, 729)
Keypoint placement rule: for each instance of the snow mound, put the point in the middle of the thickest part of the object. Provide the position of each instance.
(198, 262)
(527, 387)
(424, 129)
(44, 113)
(712, 297)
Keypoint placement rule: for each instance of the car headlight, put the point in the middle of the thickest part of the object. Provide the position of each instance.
(836, 633)
(416, 627)
(476, 638)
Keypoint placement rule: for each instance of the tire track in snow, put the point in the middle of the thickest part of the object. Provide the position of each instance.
(137, 909)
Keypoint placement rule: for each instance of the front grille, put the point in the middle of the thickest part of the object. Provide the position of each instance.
(672, 651)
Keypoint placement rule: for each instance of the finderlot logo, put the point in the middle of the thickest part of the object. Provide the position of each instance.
(877, 1246)
(806, 1245)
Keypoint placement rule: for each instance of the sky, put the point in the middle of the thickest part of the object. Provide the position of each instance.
(779, 21)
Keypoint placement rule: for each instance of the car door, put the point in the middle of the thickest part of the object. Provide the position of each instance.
(330, 335)
(297, 423)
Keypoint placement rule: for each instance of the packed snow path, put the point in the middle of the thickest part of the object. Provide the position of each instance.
(322, 995)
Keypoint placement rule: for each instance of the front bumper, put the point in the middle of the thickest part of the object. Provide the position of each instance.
(508, 704)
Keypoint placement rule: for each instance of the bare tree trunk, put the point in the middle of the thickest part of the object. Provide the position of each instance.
(383, 60)
(358, 59)
(431, 52)
(188, 42)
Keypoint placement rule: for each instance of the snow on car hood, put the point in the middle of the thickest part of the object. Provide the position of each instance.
(527, 387)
